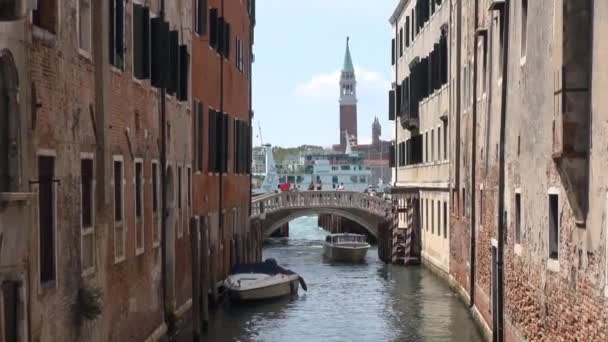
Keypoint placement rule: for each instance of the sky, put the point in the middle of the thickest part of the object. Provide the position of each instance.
(299, 52)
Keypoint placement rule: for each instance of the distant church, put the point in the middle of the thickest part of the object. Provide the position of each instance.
(376, 153)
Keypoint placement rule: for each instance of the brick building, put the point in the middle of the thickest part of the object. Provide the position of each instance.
(221, 88)
(528, 228)
(94, 99)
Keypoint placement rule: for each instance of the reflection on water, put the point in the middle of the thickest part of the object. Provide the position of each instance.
(365, 302)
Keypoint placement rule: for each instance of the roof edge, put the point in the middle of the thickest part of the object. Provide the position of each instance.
(395, 16)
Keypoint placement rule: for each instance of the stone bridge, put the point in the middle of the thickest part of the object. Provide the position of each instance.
(374, 214)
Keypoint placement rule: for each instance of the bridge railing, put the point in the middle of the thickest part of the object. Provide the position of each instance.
(318, 199)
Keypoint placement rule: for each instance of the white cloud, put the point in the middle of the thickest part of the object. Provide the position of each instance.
(326, 86)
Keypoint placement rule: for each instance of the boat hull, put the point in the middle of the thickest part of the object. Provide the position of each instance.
(268, 292)
(345, 254)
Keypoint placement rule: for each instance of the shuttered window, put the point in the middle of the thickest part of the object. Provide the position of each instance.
(212, 142)
(391, 105)
(45, 15)
(398, 93)
(227, 40)
(201, 17)
(393, 51)
(117, 33)
(199, 132)
(46, 207)
(391, 158)
(173, 72)
(407, 31)
(184, 73)
(401, 42)
(159, 55)
(221, 35)
(213, 28)
(141, 42)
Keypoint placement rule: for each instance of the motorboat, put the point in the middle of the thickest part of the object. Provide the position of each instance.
(264, 280)
(346, 247)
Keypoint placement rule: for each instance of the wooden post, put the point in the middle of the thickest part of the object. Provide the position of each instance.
(213, 262)
(204, 273)
(196, 278)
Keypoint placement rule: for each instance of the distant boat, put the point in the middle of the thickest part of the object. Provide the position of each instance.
(346, 247)
(270, 178)
(259, 281)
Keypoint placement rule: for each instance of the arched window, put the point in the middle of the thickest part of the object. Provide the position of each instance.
(9, 123)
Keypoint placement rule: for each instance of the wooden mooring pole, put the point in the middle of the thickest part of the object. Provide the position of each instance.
(196, 278)
(204, 272)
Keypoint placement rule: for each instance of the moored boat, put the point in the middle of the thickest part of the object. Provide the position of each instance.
(346, 247)
(265, 280)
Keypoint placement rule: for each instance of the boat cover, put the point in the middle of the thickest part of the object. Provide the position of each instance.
(269, 266)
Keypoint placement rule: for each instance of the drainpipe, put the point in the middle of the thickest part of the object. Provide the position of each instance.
(458, 87)
(221, 185)
(501, 179)
(474, 163)
(163, 192)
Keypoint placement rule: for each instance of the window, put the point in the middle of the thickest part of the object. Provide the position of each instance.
(156, 224)
(119, 222)
(401, 42)
(200, 14)
(517, 218)
(46, 16)
(501, 31)
(438, 143)
(432, 217)
(141, 41)
(481, 213)
(553, 227)
(199, 127)
(213, 27)
(407, 31)
(87, 193)
(426, 214)
(239, 54)
(117, 31)
(426, 147)
(84, 25)
(393, 52)
(524, 27)
(345, 167)
(46, 215)
(432, 145)
(445, 140)
(139, 206)
(445, 220)
(180, 231)
(464, 202)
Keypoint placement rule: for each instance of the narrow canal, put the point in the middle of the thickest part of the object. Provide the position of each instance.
(368, 302)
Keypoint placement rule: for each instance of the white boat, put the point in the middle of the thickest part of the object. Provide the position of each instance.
(267, 280)
(346, 247)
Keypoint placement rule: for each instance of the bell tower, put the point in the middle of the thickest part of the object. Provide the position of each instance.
(348, 100)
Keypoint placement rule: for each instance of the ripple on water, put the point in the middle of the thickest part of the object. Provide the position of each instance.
(366, 302)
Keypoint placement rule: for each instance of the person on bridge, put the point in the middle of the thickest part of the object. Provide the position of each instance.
(341, 187)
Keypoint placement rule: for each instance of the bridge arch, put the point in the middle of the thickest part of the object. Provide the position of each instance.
(370, 227)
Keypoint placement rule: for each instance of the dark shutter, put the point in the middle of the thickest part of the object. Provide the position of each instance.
(407, 31)
(406, 95)
(225, 140)
(120, 33)
(391, 105)
(391, 156)
(202, 17)
(212, 143)
(146, 42)
(200, 126)
(213, 28)
(86, 174)
(184, 72)
(443, 42)
(393, 52)
(138, 41)
(401, 42)
(158, 50)
(173, 70)
(398, 93)
(221, 38)
(112, 30)
(46, 210)
(227, 40)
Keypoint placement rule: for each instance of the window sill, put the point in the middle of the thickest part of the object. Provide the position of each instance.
(156, 244)
(8, 197)
(139, 251)
(85, 55)
(553, 265)
(119, 260)
(48, 285)
(517, 249)
(44, 36)
(115, 70)
(522, 61)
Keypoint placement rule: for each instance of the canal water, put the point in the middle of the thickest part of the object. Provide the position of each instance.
(368, 302)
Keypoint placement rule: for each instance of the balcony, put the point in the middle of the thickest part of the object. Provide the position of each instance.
(410, 121)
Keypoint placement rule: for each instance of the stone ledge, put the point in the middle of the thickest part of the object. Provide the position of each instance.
(7, 197)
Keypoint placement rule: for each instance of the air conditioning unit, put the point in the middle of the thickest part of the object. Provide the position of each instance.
(11, 10)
